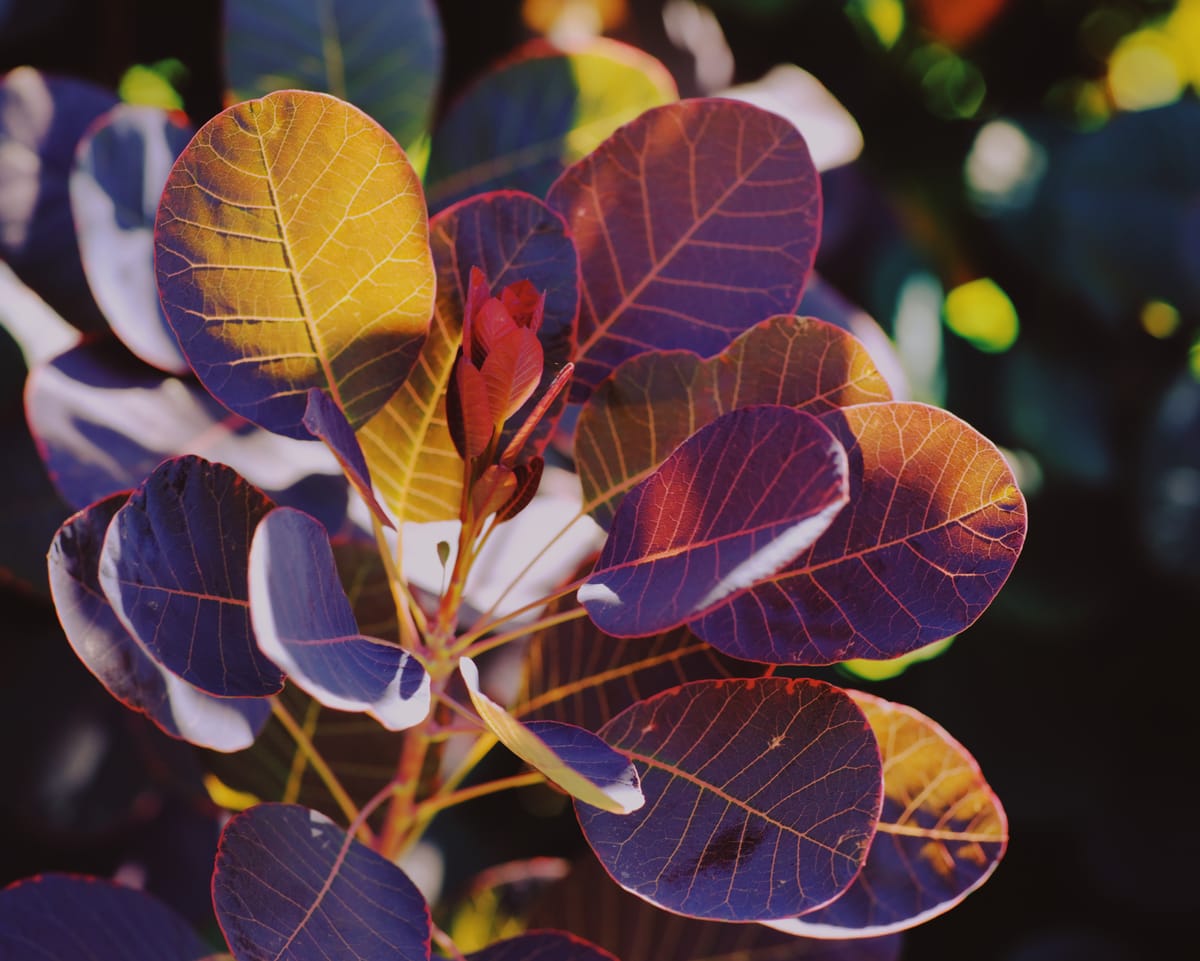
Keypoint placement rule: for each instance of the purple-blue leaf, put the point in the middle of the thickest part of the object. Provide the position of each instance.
(325, 421)
(63, 917)
(729, 507)
(108, 650)
(289, 885)
(304, 623)
(542, 946)
(174, 569)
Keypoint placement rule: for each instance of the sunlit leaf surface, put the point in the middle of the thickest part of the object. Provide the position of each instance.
(694, 222)
(542, 946)
(732, 505)
(525, 120)
(120, 168)
(174, 569)
(761, 798)
(570, 756)
(292, 252)
(289, 885)
(933, 528)
(385, 58)
(655, 401)
(42, 118)
(510, 236)
(104, 420)
(63, 917)
(941, 834)
(108, 650)
(590, 905)
(325, 420)
(317, 643)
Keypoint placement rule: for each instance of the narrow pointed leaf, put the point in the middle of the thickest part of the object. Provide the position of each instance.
(761, 798)
(289, 885)
(510, 236)
(542, 946)
(173, 567)
(693, 222)
(120, 168)
(111, 653)
(588, 903)
(385, 58)
(734, 503)
(655, 401)
(325, 420)
(292, 252)
(933, 528)
(317, 642)
(524, 121)
(572, 757)
(65, 917)
(941, 834)
(42, 118)
(104, 420)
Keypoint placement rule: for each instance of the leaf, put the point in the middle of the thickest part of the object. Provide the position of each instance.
(317, 642)
(292, 252)
(289, 885)
(110, 652)
(693, 223)
(121, 165)
(761, 798)
(732, 505)
(103, 421)
(573, 758)
(589, 904)
(510, 236)
(325, 421)
(65, 917)
(941, 834)
(542, 946)
(523, 121)
(173, 567)
(934, 525)
(384, 58)
(42, 118)
(655, 401)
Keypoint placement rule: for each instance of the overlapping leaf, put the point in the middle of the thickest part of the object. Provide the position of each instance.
(42, 118)
(570, 756)
(318, 643)
(292, 252)
(525, 120)
(325, 420)
(110, 652)
(542, 946)
(174, 568)
(693, 222)
(761, 798)
(103, 421)
(120, 168)
(590, 905)
(733, 504)
(65, 917)
(934, 525)
(941, 834)
(289, 885)
(654, 401)
(510, 236)
(385, 58)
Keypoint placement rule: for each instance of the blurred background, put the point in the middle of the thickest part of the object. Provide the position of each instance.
(1012, 193)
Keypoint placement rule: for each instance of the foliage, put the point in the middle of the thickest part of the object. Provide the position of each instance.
(296, 368)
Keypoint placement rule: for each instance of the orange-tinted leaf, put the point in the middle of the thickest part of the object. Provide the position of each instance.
(940, 836)
(656, 400)
(934, 525)
(292, 252)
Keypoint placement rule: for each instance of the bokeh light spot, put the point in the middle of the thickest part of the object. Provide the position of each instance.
(1159, 319)
(153, 85)
(1145, 71)
(982, 313)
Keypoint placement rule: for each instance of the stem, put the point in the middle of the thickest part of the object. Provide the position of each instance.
(296, 775)
(407, 610)
(446, 943)
(428, 808)
(328, 778)
(474, 648)
(485, 625)
(399, 818)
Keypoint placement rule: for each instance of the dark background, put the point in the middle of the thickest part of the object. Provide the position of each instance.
(1075, 691)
